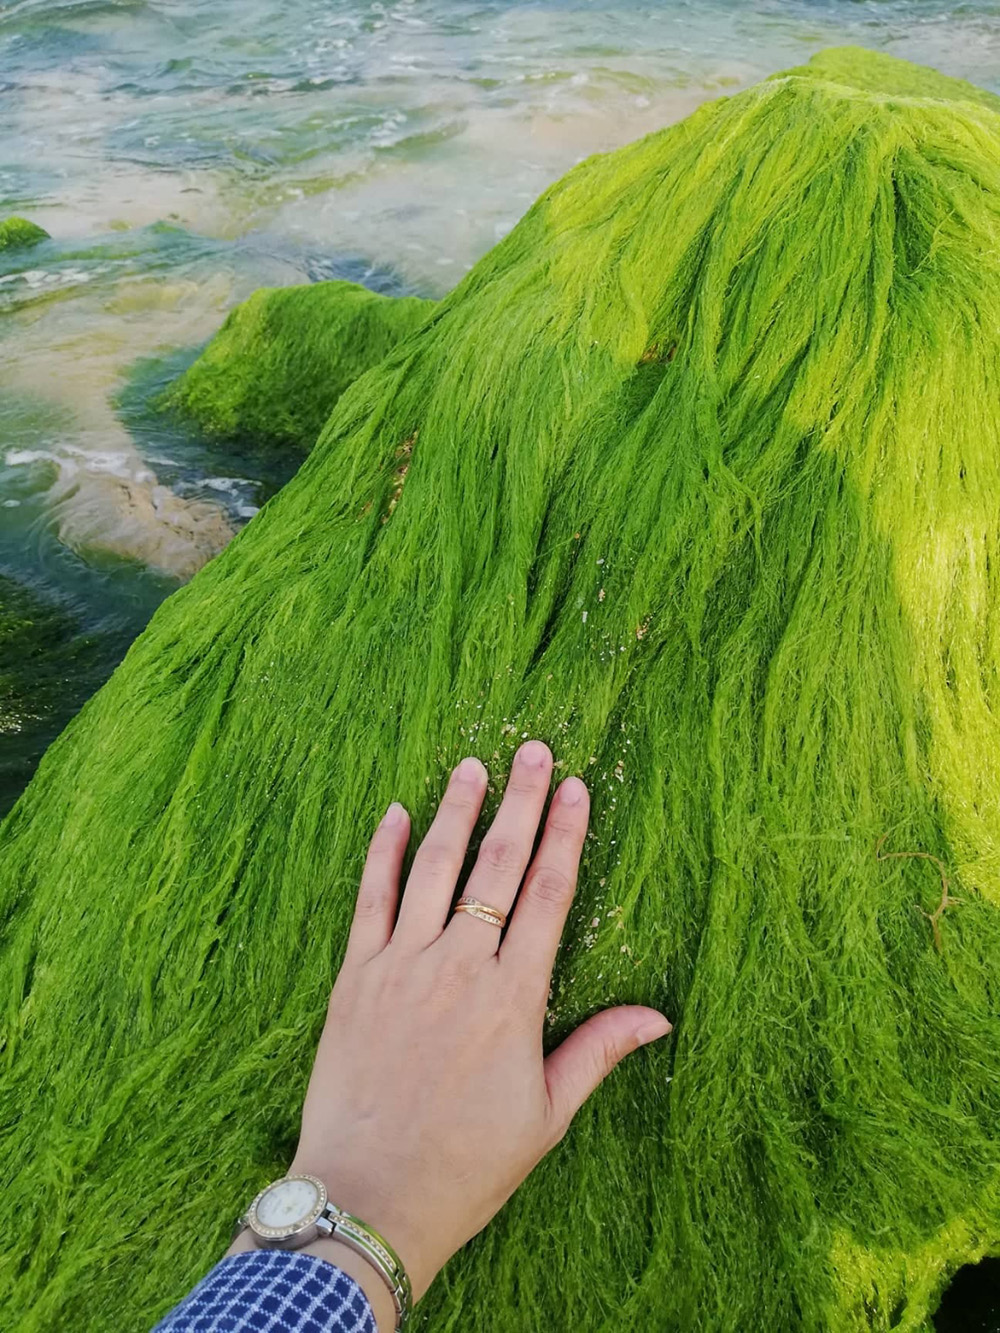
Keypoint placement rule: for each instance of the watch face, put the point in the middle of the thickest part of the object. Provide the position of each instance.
(287, 1206)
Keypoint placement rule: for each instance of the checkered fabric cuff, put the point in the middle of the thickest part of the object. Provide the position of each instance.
(272, 1291)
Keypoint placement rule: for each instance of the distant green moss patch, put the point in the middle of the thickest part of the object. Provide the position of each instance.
(19, 232)
(274, 371)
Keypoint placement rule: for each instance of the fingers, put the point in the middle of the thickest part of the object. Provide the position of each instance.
(542, 906)
(506, 849)
(438, 861)
(589, 1054)
(375, 910)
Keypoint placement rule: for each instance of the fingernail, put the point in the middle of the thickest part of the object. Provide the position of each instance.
(469, 770)
(655, 1028)
(394, 815)
(533, 753)
(572, 791)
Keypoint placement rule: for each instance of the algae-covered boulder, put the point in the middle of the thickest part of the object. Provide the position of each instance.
(697, 477)
(275, 369)
(20, 233)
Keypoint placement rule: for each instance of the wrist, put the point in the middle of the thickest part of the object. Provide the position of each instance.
(348, 1261)
(375, 1209)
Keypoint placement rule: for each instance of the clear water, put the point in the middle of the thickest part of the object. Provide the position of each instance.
(184, 152)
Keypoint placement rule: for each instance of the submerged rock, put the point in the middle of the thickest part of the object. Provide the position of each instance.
(98, 514)
(274, 371)
(696, 476)
(47, 669)
(18, 232)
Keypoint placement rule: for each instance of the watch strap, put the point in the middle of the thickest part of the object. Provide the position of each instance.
(367, 1242)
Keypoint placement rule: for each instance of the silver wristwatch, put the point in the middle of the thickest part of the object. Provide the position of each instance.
(296, 1210)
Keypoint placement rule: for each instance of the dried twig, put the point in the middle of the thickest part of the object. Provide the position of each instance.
(946, 900)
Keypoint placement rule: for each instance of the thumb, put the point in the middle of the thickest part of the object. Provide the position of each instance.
(588, 1055)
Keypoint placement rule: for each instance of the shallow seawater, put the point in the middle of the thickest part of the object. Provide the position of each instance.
(183, 153)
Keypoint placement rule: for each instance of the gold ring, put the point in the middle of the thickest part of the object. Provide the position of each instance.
(483, 911)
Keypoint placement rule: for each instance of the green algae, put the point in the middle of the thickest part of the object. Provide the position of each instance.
(18, 233)
(276, 368)
(875, 72)
(28, 632)
(697, 477)
(47, 669)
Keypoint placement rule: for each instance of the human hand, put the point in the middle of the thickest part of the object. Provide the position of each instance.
(430, 1100)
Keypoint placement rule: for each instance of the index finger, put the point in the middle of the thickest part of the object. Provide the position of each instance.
(536, 924)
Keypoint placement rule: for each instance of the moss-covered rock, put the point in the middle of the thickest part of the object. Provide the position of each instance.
(274, 371)
(695, 476)
(19, 233)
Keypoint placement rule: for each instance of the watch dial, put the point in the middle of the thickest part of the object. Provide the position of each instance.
(288, 1203)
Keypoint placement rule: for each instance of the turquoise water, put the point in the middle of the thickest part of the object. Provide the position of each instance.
(184, 153)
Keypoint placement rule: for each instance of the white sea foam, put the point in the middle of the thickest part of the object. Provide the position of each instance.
(228, 485)
(22, 457)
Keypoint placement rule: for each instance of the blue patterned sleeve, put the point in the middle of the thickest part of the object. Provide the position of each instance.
(272, 1291)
